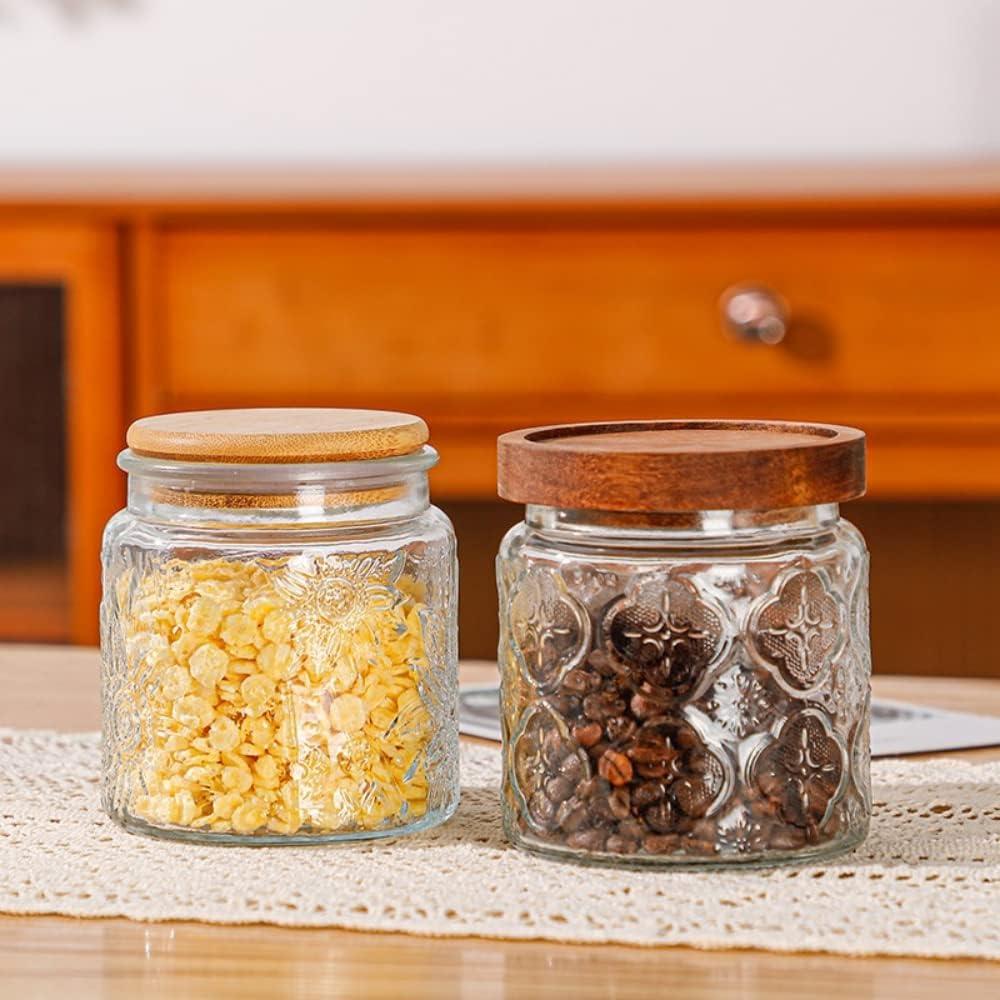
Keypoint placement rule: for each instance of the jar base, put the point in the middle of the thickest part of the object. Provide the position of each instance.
(773, 859)
(133, 824)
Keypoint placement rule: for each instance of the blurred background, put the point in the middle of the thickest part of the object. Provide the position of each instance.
(499, 215)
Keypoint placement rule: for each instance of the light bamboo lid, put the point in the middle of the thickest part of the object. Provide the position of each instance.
(277, 435)
(679, 465)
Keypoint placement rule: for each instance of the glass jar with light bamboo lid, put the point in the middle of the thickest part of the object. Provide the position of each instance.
(279, 630)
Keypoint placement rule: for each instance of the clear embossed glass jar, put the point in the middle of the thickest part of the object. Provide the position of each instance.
(279, 630)
(684, 646)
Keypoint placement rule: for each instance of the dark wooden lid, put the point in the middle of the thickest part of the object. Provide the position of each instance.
(669, 465)
(280, 435)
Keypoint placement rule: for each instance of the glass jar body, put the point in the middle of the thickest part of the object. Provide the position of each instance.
(267, 681)
(685, 689)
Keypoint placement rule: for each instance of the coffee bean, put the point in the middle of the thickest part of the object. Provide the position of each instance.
(553, 748)
(654, 843)
(580, 682)
(632, 828)
(651, 753)
(590, 787)
(567, 705)
(602, 706)
(573, 767)
(600, 811)
(619, 803)
(617, 844)
(697, 846)
(571, 815)
(686, 738)
(542, 810)
(619, 729)
(660, 817)
(587, 840)
(661, 769)
(771, 785)
(785, 838)
(615, 767)
(588, 735)
(704, 829)
(559, 789)
(645, 707)
(647, 792)
(692, 795)
(601, 662)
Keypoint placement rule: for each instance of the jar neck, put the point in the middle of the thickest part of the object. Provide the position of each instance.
(322, 493)
(684, 527)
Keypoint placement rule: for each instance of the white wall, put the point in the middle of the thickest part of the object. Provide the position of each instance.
(341, 81)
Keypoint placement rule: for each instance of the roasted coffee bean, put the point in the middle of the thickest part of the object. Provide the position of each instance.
(618, 729)
(567, 705)
(647, 792)
(602, 706)
(553, 748)
(600, 811)
(661, 769)
(542, 809)
(786, 838)
(588, 734)
(659, 843)
(692, 795)
(601, 662)
(587, 840)
(597, 751)
(619, 803)
(704, 829)
(649, 752)
(660, 817)
(770, 784)
(559, 789)
(573, 767)
(580, 682)
(571, 815)
(615, 767)
(645, 707)
(632, 828)
(617, 844)
(696, 846)
(590, 787)
(686, 738)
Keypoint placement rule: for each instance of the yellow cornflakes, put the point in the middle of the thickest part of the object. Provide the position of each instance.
(257, 723)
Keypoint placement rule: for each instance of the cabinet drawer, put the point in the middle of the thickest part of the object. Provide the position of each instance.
(465, 316)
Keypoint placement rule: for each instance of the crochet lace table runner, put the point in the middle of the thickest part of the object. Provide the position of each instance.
(926, 882)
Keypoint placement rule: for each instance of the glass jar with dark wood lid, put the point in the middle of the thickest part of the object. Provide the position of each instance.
(684, 642)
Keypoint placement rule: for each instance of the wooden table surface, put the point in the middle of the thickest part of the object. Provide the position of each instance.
(56, 687)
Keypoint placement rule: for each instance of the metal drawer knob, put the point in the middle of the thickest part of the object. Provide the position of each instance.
(754, 313)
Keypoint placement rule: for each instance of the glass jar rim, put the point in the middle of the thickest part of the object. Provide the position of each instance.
(267, 477)
(712, 527)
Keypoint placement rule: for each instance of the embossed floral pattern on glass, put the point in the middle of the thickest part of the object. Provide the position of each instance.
(301, 693)
(695, 702)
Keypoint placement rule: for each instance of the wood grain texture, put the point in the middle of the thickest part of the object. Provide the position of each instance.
(111, 959)
(682, 465)
(277, 435)
(507, 325)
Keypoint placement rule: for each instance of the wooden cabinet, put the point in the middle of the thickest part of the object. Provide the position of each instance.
(486, 304)
(49, 583)
(482, 329)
